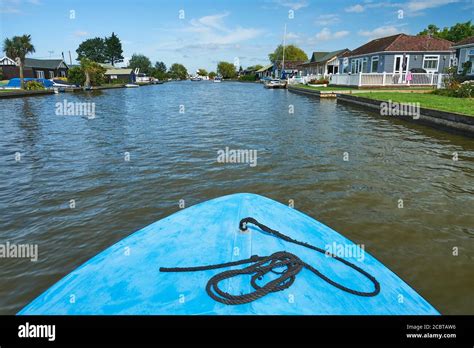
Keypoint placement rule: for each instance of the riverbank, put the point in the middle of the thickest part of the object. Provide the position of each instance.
(18, 93)
(446, 113)
(448, 121)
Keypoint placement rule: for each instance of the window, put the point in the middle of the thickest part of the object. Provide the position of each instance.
(430, 63)
(63, 73)
(358, 65)
(40, 74)
(374, 66)
(51, 74)
(471, 59)
(363, 67)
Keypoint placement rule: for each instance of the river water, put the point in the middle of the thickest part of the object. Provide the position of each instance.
(75, 185)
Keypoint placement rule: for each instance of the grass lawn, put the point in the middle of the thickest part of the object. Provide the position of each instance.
(430, 101)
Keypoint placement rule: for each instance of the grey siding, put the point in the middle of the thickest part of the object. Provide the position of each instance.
(386, 61)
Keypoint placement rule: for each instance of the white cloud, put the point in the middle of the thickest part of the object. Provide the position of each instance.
(380, 32)
(356, 8)
(213, 32)
(293, 4)
(292, 36)
(420, 5)
(326, 35)
(80, 33)
(328, 19)
(10, 6)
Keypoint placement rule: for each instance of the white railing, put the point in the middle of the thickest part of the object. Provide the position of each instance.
(388, 79)
(345, 79)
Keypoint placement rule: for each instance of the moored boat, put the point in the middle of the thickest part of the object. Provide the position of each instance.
(275, 83)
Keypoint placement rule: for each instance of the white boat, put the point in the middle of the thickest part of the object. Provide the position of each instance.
(218, 79)
(196, 78)
(275, 83)
(131, 85)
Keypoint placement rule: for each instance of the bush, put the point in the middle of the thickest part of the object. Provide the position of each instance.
(76, 76)
(459, 90)
(1, 74)
(320, 81)
(466, 90)
(248, 78)
(34, 86)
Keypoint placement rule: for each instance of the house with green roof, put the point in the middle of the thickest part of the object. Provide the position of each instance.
(265, 71)
(322, 63)
(120, 75)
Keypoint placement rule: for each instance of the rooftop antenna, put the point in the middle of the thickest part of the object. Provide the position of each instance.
(50, 53)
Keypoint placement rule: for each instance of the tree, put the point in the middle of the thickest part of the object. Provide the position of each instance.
(202, 72)
(92, 49)
(292, 53)
(140, 61)
(255, 67)
(17, 48)
(456, 33)
(93, 72)
(159, 71)
(212, 74)
(76, 76)
(178, 71)
(113, 50)
(226, 70)
(431, 30)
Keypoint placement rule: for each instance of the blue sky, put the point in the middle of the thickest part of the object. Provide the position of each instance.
(219, 30)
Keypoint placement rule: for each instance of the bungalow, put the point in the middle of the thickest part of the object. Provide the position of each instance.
(34, 68)
(399, 54)
(322, 63)
(465, 53)
(120, 75)
(266, 71)
(287, 69)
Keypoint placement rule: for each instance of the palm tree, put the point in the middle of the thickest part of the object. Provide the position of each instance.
(17, 48)
(88, 67)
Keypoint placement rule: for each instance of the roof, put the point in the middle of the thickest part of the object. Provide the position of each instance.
(466, 41)
(323, 57)
(404, 43)
(118, 71)
(316, 56)
(43, 63)
(265, 68)
(107, 66)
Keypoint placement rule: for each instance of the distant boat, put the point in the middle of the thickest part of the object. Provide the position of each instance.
(218, 79)
(131, 85)
(196, 78)
(275, 83)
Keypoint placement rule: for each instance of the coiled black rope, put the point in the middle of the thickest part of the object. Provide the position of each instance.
(262, 265)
